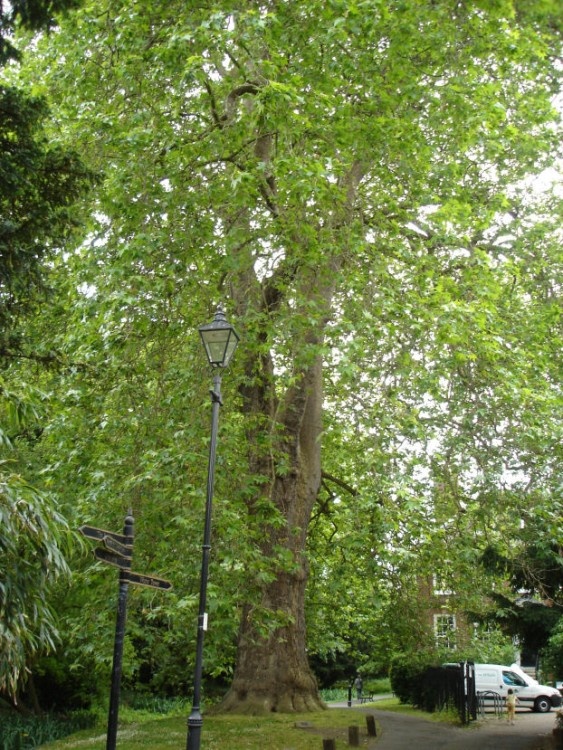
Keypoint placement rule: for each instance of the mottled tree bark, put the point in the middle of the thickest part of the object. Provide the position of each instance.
(272, 672)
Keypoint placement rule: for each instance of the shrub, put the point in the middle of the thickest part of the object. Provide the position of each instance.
(406, 675)
(334, 694)
(19, 732)
(377, 686)
(552, 654)
(155, 704)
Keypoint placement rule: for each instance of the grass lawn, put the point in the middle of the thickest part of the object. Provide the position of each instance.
(231, 732)
(228, 732)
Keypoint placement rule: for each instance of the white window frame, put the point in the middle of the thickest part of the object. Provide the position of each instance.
(445, 636)
(438, 588)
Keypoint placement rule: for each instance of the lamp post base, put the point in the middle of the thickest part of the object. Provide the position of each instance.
(195, 722)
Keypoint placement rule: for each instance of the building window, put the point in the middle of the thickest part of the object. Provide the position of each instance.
(440, 587)
(445, 631)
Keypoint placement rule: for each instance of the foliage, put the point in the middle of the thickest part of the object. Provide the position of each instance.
(531, 622)
(33, 539)
(552, 652)
(532, 608)
(377, 686)
(154, 704)
(40, 182)
(358, 180)
(339, 691)
(334, 694)
(423, 683)
(29, 15)
(58, 685)
(407, 676)
(18, 732)
(489, 645)
(535, 566)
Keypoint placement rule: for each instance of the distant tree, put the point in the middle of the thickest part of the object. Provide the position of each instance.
(532, 609)
(552, 653)
(39, 181)
(28, 14)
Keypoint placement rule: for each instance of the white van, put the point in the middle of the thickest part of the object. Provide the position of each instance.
(495, 678)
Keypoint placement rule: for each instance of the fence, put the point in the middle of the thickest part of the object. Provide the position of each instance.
(451, 686)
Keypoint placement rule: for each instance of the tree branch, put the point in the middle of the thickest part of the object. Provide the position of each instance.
(340, 483)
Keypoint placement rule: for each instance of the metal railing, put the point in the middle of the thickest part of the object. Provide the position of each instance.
(489, 699)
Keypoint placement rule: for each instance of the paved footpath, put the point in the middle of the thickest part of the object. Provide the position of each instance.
(400, 732)
(531, 731)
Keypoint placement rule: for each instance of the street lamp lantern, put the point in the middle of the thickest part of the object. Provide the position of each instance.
(219, 339)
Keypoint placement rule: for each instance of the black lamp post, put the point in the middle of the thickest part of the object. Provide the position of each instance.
(220, 341)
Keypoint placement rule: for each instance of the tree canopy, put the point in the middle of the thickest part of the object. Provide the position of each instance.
(358, 180)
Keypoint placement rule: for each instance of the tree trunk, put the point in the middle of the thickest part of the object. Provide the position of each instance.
(272, 671)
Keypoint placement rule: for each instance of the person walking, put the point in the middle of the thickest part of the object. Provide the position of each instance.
(359, 685)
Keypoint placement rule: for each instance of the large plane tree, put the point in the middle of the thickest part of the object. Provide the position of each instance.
(350, 178)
